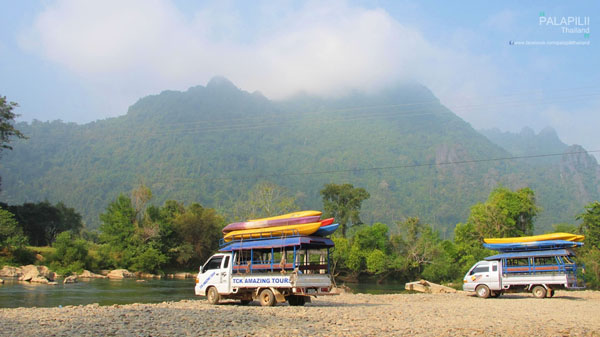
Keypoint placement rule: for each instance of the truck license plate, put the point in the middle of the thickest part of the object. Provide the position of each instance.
(311, 291)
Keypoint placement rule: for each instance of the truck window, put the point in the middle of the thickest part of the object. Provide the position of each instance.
(480, 269)
(517, 262)
(226, 263)
(214, 263)
(494, 268)
(544, 261)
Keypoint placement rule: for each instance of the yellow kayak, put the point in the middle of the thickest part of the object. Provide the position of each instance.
(289, 215)
(543, 237)
(297, 229)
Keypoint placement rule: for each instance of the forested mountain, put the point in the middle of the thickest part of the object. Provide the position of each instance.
(212, 144)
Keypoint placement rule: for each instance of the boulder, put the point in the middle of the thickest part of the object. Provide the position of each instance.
(183, 275)
(29, 272)
(47, 273)
(70, 279)
(120, 274)
(148, 275)
(8, 271)
(39, 279)
(89, 274)
(1, 281)
(428, 287)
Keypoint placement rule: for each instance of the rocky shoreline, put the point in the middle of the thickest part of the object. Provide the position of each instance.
(567, 314)
(43, 275)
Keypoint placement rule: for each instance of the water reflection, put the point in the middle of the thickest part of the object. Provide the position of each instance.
(102, 291)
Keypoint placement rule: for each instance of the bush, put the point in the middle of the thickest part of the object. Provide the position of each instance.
(71, 255)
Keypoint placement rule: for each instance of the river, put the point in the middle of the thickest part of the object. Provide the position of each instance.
(15, 294)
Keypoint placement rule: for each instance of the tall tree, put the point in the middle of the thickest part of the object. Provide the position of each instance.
(343, 202)
(505, 213)
(11, 235)
(265, 199)
(590, 225)
(7, 129)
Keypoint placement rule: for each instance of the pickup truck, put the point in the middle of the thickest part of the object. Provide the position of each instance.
(540, 272)
(272, 270)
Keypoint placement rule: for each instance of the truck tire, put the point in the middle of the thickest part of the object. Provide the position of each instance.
(482, 291)
(539, 292)
(212, 295)
(295, 300)
(267, 299)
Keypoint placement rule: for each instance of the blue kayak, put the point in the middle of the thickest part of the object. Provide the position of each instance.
(533, 245)
(327, 230)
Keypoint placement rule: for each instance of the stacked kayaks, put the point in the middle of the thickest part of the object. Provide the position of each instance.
(297, 223)
(536, 242)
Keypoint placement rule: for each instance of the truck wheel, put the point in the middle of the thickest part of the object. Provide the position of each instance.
(267, 299)
(213, 295)
(482, 291)
(539, 292)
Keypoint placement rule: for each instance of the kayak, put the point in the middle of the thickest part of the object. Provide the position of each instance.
(326, 222)
(297, 229)
(543, 237)
(327, 230)
(290, 215)
(534, 245)
(236, 226)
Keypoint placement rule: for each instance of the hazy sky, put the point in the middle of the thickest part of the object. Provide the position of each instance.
(86, 60)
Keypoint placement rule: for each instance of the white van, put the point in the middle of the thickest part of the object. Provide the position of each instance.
(540, 272)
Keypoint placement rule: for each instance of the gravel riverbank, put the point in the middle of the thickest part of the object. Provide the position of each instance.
(567, 314)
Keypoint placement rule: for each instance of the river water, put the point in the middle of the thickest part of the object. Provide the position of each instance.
(15, 294)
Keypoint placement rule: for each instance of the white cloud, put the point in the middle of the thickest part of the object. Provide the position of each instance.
(123, 50)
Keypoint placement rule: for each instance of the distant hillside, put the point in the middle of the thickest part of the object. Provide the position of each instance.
(527, 142)
(213, 143)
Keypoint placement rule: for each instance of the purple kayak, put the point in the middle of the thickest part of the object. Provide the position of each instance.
(236, 226)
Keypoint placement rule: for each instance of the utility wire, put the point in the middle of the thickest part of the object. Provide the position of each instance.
(381, 168)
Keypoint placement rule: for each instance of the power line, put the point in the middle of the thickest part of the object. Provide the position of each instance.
(382, 168)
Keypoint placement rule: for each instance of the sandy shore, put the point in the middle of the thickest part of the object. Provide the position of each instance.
(567, 314)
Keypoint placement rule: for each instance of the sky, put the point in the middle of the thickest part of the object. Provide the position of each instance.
(500, 64)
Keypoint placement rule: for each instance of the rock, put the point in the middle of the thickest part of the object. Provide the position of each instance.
(120, 274)
(70, 279)
(39, 279)
(1, 281)
(428, 287)
(183, 275)
(147, 275)
(89, 274)
(29, 272)
(8, 271)
(47, 273)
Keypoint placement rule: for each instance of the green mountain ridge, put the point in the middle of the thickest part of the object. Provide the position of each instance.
(213, 143)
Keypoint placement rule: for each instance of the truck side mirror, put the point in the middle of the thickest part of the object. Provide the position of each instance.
(200, 269)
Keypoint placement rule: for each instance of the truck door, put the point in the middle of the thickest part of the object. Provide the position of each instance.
(491, 277)
(209, 275)
(224, 276)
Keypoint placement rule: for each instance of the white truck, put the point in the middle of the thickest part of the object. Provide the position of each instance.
(271, 271)
(540, 272)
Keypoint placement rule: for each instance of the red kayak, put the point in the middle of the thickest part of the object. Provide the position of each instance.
(326, 222)
(236, 226)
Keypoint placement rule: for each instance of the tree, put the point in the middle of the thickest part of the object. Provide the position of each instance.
(505, 213)
(11, 235)
(7, 129)
(590, 225)
(343, 202)
(70, 255)
(264, 200)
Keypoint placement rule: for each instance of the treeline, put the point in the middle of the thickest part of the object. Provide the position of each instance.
(415, 250)
(142, 237)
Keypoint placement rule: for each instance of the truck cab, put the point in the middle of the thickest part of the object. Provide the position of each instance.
(269, 270)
